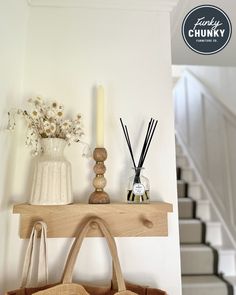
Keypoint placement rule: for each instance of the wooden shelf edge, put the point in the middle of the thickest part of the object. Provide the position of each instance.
(25, 208)
(124, 220)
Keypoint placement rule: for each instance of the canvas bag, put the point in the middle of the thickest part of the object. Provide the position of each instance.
(66, 287)
(117, 287)
(98, 290)
(42, 274)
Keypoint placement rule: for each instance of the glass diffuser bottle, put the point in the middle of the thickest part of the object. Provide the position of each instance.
(138, 188)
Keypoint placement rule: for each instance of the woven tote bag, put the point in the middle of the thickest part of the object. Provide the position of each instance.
(66, 287)
(110, 289)
(42, 274)
(141, 290)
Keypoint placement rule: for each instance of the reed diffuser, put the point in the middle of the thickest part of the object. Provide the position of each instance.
(138, 186)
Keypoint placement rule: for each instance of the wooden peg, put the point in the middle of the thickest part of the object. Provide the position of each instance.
(99, 196)
(38, 227)
(148, 223)
(94, 225)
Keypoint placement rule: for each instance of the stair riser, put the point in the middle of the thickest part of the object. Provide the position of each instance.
(204, 290)
(187, 175)
(182, 161)
(182, 189)
(197, 262)
(194, 191)
(191, 233)
(203, 285)
(227, 262)
(203, 210)
(186, 210)
(214, 233)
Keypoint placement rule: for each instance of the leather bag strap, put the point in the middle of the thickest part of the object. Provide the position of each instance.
(42, 274)
(67, 276)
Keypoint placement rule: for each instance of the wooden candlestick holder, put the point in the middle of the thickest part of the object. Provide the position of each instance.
(99, 196)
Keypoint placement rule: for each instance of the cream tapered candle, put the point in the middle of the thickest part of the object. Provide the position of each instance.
(100, 117)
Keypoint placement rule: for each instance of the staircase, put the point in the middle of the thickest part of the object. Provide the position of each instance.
(202, 257)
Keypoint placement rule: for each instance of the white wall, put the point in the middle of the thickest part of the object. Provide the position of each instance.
(13, 19)
(220, 81)
(69, 50)
(208, 130)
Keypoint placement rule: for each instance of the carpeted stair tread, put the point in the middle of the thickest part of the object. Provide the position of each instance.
(197, 259)
(186, 208)
(203, 285)
(187, 174)
(191, 231)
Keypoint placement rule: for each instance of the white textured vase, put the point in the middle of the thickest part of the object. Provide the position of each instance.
(52, 184)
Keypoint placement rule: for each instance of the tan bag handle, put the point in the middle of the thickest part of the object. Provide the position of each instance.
(67, 276)
(42, 275)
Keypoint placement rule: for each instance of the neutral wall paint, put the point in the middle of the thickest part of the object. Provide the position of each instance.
(70, 50)
(13, 20)
(220, 81)
(208, 130)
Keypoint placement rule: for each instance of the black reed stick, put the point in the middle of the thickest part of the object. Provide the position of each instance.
(150, 139)
(146, 144)
(128, 142)
(145, 141)
(131, 150)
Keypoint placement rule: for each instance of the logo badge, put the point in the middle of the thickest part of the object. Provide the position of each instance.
(138, 189)
(206, 29)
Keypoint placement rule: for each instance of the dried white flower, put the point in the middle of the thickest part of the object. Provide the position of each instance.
(66, 125)
(45, 120)
(51, 113)
(35, 114)
(59, 115)
(53, 127)
(39, 99)
(46, 125)
(54, 105)
(48, 132)
(78, 117)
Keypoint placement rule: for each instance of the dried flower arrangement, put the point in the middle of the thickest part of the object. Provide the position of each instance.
(46, 119)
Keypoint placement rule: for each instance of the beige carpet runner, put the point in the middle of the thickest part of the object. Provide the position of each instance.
(199, 261)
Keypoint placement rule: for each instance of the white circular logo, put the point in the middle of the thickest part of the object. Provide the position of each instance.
(138, 189)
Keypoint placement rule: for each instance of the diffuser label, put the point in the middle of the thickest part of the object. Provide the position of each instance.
(138, 189)
(206, 29)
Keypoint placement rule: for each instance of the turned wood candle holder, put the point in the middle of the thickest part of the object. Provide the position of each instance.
(99, 196)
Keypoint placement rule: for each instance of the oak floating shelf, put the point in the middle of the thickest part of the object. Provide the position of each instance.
(124, 220)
